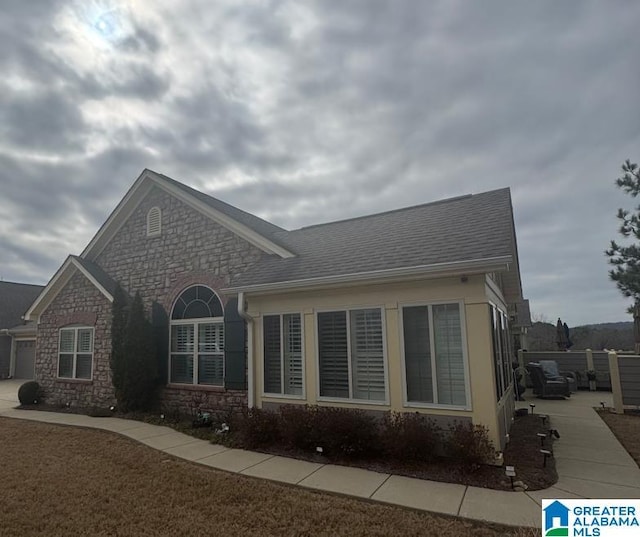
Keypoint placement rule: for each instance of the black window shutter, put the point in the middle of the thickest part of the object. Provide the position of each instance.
(160, 326)
(235, 358)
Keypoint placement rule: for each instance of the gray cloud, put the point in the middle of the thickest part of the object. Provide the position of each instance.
(305, 113)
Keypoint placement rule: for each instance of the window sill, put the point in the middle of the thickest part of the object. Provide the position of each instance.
(283, 396)
(352, 401)
(74, 381)
(195, 387)
(434, 406)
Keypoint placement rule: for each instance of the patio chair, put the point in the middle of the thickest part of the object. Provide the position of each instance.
(552, 371)
(546, 387)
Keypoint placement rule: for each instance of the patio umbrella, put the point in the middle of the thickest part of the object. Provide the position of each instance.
(566, 333)
(561, 336)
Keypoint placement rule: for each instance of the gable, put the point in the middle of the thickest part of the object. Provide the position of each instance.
(248, 227)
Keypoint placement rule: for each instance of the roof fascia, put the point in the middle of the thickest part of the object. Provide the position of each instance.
(57, 283)
(436, 270)
(141, 187)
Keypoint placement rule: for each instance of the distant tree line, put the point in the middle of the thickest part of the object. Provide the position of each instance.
(619, 336)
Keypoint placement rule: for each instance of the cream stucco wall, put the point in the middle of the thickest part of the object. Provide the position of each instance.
(474, 294)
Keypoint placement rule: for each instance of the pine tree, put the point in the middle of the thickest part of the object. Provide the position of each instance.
(626, 259)
(140, 371)
(119, 317)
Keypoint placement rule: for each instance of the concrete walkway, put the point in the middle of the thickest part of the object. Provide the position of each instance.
(590, 461)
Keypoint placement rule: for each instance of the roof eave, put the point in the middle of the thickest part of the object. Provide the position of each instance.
(436, 270)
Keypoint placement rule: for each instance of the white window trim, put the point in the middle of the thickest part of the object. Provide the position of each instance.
(195, 323)
(351, 399)
(154, 210)
(465, 357)
(75, 353)
(271, 395)
(507, 382)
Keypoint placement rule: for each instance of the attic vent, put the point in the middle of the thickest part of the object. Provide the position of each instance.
(154, 222)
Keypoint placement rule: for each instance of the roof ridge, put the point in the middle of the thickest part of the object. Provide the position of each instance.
(400, 209)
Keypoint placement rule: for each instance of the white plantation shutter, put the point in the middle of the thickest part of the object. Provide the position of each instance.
(417, 354)
(272, 358)
(292, 354)
(449, 358)
(210, 353)
(67, 341)
(182, 338)
(367, 355)
(85, 340)
(333, 354)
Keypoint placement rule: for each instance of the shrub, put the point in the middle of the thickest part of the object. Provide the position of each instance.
(258, 428)
(30, 393)
(298, 427)
(346, 432)
(469, 444)
(410, 436)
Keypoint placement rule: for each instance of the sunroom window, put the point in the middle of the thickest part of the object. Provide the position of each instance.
(283, 354)
(351, 355)
(75, 352)
(197, 338)
(434, 357)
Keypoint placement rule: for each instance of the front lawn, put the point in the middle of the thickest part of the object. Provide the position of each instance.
(62, 481)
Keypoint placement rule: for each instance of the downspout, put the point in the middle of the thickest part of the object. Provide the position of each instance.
(250, 382)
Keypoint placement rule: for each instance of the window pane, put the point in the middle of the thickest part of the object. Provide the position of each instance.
(332, 343)
(210, 369)
(272, 359)
(211, 338)
(182, 368)
(182, 338)
(85, 340)
(65, 366)
(292, 354)
(67, 340)
(497, 352)
(449, 355)
(367, 355)
(83, 366)
(417, 354)
(506, 352)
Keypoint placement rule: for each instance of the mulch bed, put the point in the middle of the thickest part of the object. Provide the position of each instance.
(522, 452)
(626, 428)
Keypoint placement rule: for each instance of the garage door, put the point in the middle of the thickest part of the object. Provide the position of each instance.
(25, 359)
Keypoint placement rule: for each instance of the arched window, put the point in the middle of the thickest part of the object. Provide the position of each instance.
(154, 222)
(197, 338)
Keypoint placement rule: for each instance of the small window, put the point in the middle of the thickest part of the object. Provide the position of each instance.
(154, 222)
(283, 354)
(75, 356)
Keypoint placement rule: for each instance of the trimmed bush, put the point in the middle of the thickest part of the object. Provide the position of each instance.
(345, 432)
(469, 444)
(258, 428)
(30, 393)
(410, 437)
(298, 428)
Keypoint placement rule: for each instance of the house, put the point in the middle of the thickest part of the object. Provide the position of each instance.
(17, 339)
(407, 310)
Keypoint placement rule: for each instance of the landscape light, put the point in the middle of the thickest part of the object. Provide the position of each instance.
(532, 407)
(541, 436)
(510, 471)
(546, 454)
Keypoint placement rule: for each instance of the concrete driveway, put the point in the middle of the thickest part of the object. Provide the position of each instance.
(9, 393)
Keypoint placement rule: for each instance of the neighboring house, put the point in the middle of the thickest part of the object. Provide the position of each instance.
(17, 339)
(407, 310)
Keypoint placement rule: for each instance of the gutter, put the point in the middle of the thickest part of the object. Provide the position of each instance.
(435, 270)
(250, 373)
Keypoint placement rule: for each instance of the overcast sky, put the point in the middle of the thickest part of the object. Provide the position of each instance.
(307, 112)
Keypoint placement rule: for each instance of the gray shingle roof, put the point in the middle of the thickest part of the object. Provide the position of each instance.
(458, 229)
(15, 299)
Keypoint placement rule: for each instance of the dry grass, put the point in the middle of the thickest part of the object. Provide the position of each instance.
(626, 428)
(64, 481)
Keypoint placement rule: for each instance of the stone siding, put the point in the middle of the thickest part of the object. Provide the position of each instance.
(189, 399)
(191, 249)
(79, 302)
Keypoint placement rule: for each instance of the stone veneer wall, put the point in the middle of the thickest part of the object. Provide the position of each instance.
(78, 303)
(191, 249)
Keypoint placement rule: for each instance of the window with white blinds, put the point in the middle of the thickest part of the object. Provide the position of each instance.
(282, 338)
(75, 353)
(501, 350)
(197, 338)
(351, 354)
(434, 356)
